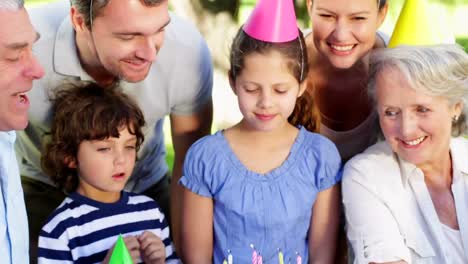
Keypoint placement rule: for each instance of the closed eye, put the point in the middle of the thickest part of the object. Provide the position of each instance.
(103, 149)
(359, 18)
(131, 147)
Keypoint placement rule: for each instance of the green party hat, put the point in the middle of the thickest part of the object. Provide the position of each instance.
(120, 254)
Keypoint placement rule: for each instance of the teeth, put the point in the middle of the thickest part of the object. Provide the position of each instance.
(342, 48)
(415, 142)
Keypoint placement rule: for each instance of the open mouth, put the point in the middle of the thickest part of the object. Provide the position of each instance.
(118, 176)
(342, 49)
(21, 98)
(414, 142)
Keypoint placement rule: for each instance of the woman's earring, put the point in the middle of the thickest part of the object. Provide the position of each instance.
(454, 119)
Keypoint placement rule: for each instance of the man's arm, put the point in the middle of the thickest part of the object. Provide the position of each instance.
(185, 129)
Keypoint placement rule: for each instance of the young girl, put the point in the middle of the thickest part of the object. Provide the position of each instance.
(95, 135)
(262, 187)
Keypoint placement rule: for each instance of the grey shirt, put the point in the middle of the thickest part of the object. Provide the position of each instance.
(179, 82)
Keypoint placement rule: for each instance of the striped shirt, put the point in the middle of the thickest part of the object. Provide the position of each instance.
(82, 230)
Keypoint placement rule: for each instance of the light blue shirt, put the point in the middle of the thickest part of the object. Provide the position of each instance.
(271, 211)
(14, 236)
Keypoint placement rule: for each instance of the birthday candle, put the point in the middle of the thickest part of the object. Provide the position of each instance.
(280, 257)
(225, 261)
(298, 259)
(229, 257)
(259, 259)
(254, 255)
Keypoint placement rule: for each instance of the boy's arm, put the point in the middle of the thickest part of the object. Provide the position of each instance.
(53, 250)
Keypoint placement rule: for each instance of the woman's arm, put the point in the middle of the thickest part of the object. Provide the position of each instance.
(324, 226)
(371, 227)
(197, 228)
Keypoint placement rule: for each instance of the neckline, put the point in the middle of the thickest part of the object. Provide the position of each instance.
(109, 206)
(272, 174)
(367, 122)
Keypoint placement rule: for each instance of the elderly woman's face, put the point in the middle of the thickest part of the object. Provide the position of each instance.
(416, 125)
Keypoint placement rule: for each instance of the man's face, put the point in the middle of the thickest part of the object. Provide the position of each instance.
(126, 36)
(18, 68)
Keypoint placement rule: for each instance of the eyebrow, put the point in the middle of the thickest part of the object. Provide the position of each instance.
(141, 34)
(22, 45)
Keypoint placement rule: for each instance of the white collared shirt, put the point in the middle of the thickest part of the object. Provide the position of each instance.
(389, 212)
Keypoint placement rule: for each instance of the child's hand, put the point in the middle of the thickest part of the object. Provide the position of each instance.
(133, 246)
(152, 248)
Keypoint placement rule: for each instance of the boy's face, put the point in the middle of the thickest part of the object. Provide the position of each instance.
(104, 166)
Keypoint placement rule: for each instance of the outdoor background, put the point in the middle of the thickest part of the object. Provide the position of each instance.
(218, 21)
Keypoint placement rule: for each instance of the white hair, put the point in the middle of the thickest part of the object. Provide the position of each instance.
(11, 5)
(439, 70)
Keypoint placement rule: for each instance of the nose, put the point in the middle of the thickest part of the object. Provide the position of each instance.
(119, 157)
(341, 30)
(266, 100)
(148, 49)
(407, 125)
(33, 70)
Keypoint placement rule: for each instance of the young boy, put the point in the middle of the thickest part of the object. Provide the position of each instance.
(95, 136)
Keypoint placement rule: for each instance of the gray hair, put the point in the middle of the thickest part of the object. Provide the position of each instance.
(84, 7)
(440, 70)
(11, 5)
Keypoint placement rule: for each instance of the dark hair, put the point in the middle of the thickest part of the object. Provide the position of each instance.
(84, 7)
(294, 51)
(381, 3)
(86, 112)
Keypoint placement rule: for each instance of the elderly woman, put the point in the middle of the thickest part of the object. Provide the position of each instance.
(406, 199)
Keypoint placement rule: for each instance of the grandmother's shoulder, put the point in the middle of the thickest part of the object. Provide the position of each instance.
(373, 164)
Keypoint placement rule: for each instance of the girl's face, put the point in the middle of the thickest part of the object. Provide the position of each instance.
(416, 125)
(266, 91)
(344, 31)
(104, 166)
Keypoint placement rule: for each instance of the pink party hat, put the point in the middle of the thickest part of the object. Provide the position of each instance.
(272, 21)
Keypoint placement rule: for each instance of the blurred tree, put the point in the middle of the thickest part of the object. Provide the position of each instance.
(218, 21)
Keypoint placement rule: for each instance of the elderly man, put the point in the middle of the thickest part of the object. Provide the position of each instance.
(18, 68)
(157, 58)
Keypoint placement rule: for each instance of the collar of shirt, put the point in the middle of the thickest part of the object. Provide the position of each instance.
(459, 153)
(66, 60)
(8, 136)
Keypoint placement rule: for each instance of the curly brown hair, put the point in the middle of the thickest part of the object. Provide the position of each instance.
(86, 112)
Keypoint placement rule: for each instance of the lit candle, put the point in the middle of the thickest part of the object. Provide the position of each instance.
(259, 259)
(225, 261)
(229, 257)
(280, 257)
(254, 255)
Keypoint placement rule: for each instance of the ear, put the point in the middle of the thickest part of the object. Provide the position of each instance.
(70, 162)
(77, 20)
(457, 109)
(232, 83)
(309, 7)
(382, 14)
(302, 88)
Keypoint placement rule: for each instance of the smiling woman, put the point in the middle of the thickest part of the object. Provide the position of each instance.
(416, 182)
